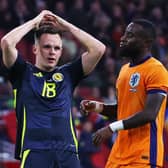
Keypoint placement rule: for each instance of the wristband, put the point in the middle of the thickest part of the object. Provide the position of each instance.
(116, 126)
(97, 106)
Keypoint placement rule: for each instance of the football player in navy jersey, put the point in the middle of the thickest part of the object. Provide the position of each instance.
(46, 137)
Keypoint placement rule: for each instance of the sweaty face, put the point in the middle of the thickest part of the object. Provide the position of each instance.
(132, 42)
(48, 50)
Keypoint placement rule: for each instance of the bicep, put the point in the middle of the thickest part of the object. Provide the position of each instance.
(152, 107)
(89, 62)
(153, 104)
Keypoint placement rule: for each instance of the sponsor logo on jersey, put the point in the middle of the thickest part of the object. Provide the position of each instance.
(39, 74)
(58, 77)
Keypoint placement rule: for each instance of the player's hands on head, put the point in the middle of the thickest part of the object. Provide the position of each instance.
(101, 135)
(54, 20)
(87, 106)
(41, 17)
(48, 20)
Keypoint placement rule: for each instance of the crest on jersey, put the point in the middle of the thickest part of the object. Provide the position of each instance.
(58, 77)
(134, 80)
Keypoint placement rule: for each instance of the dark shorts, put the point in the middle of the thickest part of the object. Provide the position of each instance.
(49, 159)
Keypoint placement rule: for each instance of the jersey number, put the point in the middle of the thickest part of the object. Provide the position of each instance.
(49, 90)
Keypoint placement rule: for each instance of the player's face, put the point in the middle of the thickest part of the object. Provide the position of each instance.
(48, 51)
(132, 42)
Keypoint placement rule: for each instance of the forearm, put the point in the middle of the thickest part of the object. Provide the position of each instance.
(86, 39)
(87, 106)
(137, 120)
(14, 36)
(110, 111)
(147, 115)
(107, 110)
(134, 121)
(10, 40)
(94, 48)
(91, 43)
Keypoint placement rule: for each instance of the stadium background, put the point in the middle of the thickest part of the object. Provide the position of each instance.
(104, 19)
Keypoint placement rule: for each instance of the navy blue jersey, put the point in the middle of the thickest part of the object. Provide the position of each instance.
(43, 105)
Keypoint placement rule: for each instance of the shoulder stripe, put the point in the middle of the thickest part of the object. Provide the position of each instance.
(157, 91)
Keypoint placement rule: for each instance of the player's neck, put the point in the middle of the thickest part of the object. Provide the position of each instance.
(140, 58)
(44, 69)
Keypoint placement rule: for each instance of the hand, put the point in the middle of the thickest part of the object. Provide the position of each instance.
(101, 135)
(41, 17)
(56, 21)
(87, 106)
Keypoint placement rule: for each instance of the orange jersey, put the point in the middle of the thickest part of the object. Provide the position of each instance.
(143, 144)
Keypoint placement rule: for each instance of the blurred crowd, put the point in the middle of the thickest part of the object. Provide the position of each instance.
(105, 20)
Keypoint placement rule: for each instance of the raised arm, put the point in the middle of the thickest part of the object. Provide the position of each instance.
(94, 48)
(10, 40)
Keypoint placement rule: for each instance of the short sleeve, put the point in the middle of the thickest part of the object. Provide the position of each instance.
(157, 80)
(75, 70)
(16, 72)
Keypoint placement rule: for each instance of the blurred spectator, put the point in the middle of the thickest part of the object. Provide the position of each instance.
(70, 45)
(99, 21)
(78, 96)
(86, 148)
(22, 12)
(7, 15)
(77, 15)
(111, 96)
(60, 9)
(41, 5)
(117, 34)
(10, 121)
(109, 73)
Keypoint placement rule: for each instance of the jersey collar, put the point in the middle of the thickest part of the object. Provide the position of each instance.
(142, 61)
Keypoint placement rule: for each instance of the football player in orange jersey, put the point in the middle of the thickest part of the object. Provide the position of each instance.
(141, 87)
(166, 139)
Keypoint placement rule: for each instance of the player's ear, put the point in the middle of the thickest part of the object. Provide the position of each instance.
(148, 43)
(34, 49)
